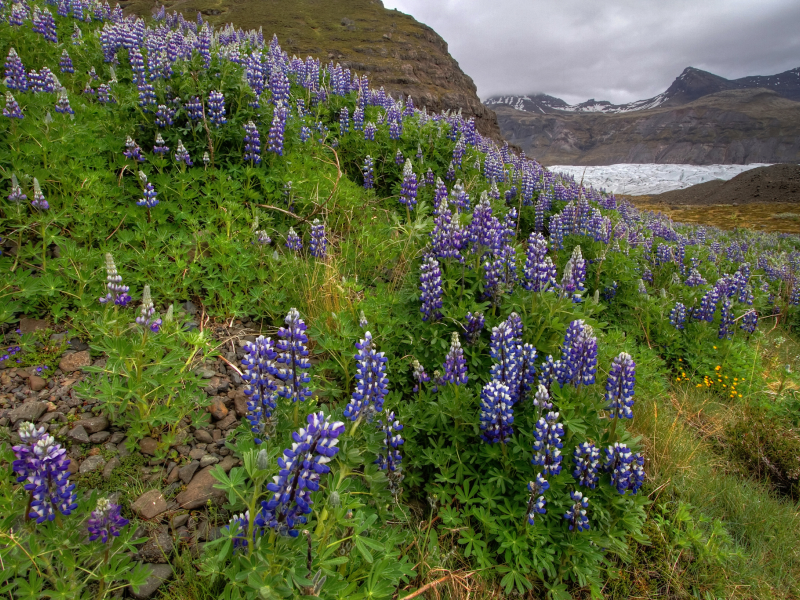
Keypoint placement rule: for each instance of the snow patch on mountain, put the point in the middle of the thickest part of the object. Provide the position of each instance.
(648, 179)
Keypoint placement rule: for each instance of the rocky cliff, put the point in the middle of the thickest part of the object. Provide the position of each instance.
(392, 48)
(735, 126)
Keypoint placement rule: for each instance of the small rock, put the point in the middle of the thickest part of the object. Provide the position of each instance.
(92, 464)
(94, 451)
(218, 409)
(36, 383)
(148, 446)
(73, 466)
(150, 504)
(205, 372)
(217, 435)
(30, 325)
(94, 424)
(110, 466)
(208, 459)
(228, 421)
(122, 450)
(239, 402)
(200, 490)
(186, 472)
(99, 437)
(79, 435)
(228, 463)
(78, 345)
(212, 386)
(28, 411)
(173, 475)
(51, 407)
(197, 453)
(117, 437)
(158, 548)
(183, 450)
(202, 436)
(189, 307)
(179, 520)
(75, 361)
(158, 575)
(52, 416)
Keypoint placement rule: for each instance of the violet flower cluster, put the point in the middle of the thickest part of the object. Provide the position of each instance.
(259, 376)
(677, 316)
(547, 445)
(576, 515)
(620, 387)
(497, 414)
(587, 464)
(431, 289)
(474, 326)
(252, 143)
(115, 291)
(455, 365)
(145, 318)
(408, 192)
(371, 381)
(292, 362)
(105, 522)
(578, 364)
(537, 502)
(318, 246)
(390, 457)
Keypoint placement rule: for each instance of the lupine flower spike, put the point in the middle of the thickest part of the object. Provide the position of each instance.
(293, 241)
(259, 374)
(431, 288)
(38, 202)
(536, 504)
(145, 318)
(106, 522)
(371, 382)
(620, 387)
(115, 291)
(362, 320)
(576, 515)
(587, 461)
(390, 458)
(292, 358)
(318, 247)
(420, 376)
(497, 414)
(12, 109)
(547, 445)
(455, 365)
(43, 468)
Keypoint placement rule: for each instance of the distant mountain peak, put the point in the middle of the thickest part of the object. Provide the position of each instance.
(691, 84)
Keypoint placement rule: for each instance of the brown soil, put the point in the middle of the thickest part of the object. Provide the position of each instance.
(773, 184)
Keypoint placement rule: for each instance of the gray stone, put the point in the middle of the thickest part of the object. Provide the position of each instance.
(36, 383)
(201, 435)
(148, 446)
(110, 466)
(117, 437)
(53, 416)
(92, 464)
(158, 548)
(78, 345)
(150, 504)
(122, 450)
(207, 460)
(228, 421)
(197, 453)
(159, 574)
(186, 472)
(29, 411)
(79, 435)
(205, 372)
(99, 437)
(200, 490)
(73, 362)
(27, 325)
(179, 520)
(189, 307)
(94, 424)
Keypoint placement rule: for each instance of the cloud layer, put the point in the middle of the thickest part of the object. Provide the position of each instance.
(617, 50)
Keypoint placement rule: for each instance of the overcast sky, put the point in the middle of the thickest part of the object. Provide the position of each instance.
(617, 50)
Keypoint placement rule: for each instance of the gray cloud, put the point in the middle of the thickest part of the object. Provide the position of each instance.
(617, 50)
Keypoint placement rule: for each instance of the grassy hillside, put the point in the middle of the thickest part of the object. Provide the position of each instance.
(289, 338)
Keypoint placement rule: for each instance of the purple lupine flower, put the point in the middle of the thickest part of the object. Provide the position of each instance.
(292, 358)
(647, 275)
(115, 291)
(16, 194)
(500, 273)
(104, 94)
(369, 173)
(536, 503)
(548, 371)
(429, 177)
(16, 78)
(318, 247)
(240, 525)
(369, 132)
(587, 463)
(65, 64)
(677, 316)
(408, 193)
(636, 480)
(147, 96)
(252, 143)
(279, 87)
(390, 457)
(539, 272)
(344, 121)
(362, 320)
(38, 202)
(506, 350)
(695, 279)
(293, 241)
(399, 159)
(749, 322)
(576, 515)
(618, 459)
(259, 376)
(497, 414)
(43, 466)
(726, 321)
(574, 276)
(132, 150)
(431, 288)
(160, 146)
(528, 370)
(145, 319)
(305, 133)
(194, 109)
(203, 45)
(216, 108)
(300, 469)
(547, 445)
(137, 65)
(578, 364)
(149, 196)
(12, 109)
(455, 365)
(620, 387)
(541, 400)
(165, 115)
(182, 155)
(105, 522)
(708, 306)
(358, 119)
(474, 326)
(419, 375)
(371, 382)
(276, 130)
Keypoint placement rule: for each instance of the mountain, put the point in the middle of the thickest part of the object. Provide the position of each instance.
(687, 87)
(700, 119)
(392, 48)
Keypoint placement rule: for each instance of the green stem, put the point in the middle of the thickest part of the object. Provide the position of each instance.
(44, 247)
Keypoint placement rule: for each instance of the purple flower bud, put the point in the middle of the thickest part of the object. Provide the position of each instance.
(371, 382)
(318, 247)
(455, 365)
(497, 414)
(620, 387)
(547, 445)
(259, 376)
(576, 515)
(105, 522)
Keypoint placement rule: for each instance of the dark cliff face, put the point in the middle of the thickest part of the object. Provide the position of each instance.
(393, 49)
(733, 127)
